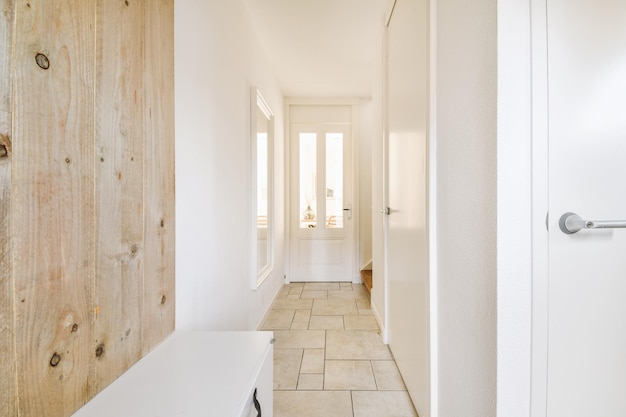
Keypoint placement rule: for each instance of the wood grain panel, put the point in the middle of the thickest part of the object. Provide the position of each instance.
(119, 187)
(7, 351)
(158, 306)
(53, 209)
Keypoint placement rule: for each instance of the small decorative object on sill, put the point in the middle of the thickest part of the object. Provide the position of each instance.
(308, 214)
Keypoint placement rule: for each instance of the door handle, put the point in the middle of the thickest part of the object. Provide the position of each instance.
(348, 211)
(257, 405)
(571, 223)
(386, 210)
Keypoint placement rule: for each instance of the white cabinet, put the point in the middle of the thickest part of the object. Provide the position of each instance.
(208, 374)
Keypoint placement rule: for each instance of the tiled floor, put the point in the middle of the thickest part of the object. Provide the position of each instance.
(329, 359)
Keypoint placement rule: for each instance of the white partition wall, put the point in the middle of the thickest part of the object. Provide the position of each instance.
(218, 58)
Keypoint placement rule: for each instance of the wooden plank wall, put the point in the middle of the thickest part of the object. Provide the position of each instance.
(159, 172)
(87, 209)
(7, 351)
(119, 173)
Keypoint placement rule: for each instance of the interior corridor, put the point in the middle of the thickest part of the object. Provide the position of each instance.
(329, 359)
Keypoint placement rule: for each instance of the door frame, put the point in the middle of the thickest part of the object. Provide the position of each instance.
(354, 104)
(522, 206)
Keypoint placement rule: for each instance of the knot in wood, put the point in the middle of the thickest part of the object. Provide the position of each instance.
(4, 152)
(55, 359)
(99, 351)
(163, 299)
(42, 61)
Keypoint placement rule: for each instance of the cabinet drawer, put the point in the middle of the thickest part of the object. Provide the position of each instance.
(194, 374)
(264, 390)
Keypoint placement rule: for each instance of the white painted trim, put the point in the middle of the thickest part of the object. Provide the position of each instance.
(523, 201)
(287, 190)
(432, 215)
(540, 206)
(356, 194)
(379, 320)
(268, 309)
(257, 101)
(252, 163)
(385, 142)
(367, 266)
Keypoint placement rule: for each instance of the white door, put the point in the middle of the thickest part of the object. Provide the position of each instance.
(407, 193)
(587, 174)
(322, 211)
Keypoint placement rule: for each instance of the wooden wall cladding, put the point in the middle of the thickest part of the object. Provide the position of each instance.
(87, 209)
(7, 323)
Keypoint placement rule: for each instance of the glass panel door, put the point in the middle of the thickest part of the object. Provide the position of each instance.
(321, 233)
(308, 180)
(334, 181)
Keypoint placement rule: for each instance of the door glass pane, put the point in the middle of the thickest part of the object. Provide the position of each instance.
(308, 180)
(334, 180)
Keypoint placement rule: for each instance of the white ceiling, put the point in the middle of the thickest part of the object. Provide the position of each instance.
(320, 48)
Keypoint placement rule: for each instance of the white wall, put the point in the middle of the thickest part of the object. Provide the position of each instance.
(466, 206)
(217, 60)
(366, 134)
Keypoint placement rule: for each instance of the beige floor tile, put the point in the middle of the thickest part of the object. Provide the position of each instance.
(296, 290)
(387, 376)
(333, 307)
(326, 322)
(311, 382)
(321, 286)
(286, 368)
(312, 361)
(278, 319)
(292, 304)
(302, 316)
(364, 307)
(355, 344)
(360, 323)
(314, 294)
(349, 375)
(284, 292)
(363, 304)
(294, 339)
(357, 293)
(313, 353)
(312, 404)
(382, 404)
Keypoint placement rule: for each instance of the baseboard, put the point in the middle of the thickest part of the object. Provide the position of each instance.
(367, 266)
(269, 307)
(383, 330)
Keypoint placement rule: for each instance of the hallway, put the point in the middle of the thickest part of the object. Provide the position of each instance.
(328, 356)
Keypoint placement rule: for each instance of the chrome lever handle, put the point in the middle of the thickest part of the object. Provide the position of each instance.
(571, 223)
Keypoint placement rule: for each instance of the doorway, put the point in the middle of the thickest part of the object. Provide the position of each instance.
(322, 210)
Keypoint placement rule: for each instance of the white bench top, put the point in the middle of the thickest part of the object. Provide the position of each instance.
(189, 374)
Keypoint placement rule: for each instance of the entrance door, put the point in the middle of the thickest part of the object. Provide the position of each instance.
(322, 211)
(587, 169)
(407, 193)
